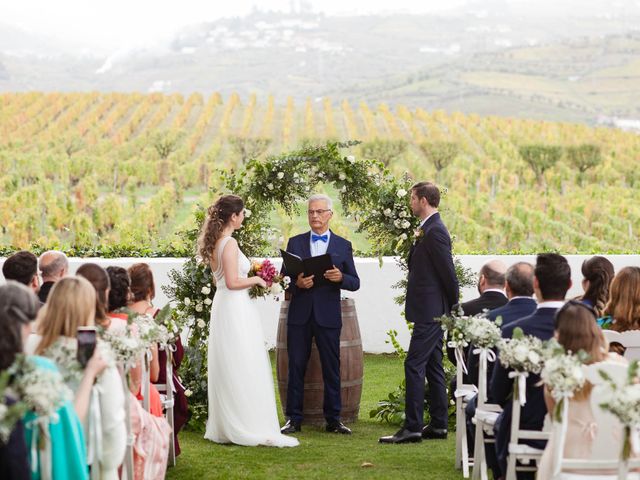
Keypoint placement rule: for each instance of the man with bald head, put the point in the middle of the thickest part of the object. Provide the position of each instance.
(53, 266)
(491, 289)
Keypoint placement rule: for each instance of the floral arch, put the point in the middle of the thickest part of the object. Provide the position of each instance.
(367, 191)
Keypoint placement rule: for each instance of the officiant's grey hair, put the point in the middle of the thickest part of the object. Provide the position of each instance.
(321, 196)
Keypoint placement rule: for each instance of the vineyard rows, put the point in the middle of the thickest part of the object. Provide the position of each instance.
(90, 169)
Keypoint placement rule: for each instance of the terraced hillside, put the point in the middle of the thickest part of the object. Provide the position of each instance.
(125, 170)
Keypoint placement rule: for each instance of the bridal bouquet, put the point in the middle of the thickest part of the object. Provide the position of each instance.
(276, 283)
(522, 353)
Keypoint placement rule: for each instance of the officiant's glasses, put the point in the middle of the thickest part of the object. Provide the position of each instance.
(319, 211)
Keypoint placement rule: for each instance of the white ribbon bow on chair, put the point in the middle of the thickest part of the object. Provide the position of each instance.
(486, 355)
(521, 385)
(94, 450)
(40, 426)
(459, 353)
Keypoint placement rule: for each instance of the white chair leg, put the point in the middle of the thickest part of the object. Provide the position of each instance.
(479, 462)
(459, 432)
(511, 467)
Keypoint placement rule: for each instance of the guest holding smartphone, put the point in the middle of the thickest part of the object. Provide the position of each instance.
(71, 304)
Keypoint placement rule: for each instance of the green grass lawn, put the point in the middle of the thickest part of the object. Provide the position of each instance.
(324, 455)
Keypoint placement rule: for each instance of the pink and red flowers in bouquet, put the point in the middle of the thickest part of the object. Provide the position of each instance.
(266, 270)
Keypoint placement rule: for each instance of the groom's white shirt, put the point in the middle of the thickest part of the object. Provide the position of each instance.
(319, 247)
(427, 218)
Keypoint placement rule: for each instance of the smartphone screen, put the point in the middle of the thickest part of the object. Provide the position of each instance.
(86, 344)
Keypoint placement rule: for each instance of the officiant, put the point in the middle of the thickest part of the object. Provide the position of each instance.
(314, 312)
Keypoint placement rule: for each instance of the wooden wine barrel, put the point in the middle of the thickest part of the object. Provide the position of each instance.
(351, 368)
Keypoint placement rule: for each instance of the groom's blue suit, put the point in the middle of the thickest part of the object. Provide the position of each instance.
(315, 312)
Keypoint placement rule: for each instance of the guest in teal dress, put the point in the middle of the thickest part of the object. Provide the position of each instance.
(68, 453)
(68, 457)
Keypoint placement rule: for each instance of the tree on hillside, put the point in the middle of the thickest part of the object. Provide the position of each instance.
(383, 150)
(165, 142)
(441, 154)
(540, 158)
(248, 148)
(583, 157)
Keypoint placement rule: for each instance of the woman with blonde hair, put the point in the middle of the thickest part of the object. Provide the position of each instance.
(576, 329)
(72, 304)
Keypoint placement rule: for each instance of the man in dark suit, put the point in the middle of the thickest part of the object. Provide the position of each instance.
(53, 266)
(552, 280)
(491, 289)
(22, 267)
(314, 312)
(519, 288)
(432, 290)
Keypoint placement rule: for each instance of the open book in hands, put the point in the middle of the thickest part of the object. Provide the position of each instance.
(315, 266)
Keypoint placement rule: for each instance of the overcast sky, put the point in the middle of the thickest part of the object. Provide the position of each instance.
(126, 23)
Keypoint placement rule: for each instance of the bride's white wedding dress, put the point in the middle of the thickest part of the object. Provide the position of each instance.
(242, 405)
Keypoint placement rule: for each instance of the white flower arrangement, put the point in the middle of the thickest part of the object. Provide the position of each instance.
(482, 332)
(127, 348)
(563, 375)
(38, 389)
(43, 391)
(522, 353)
(152, 333)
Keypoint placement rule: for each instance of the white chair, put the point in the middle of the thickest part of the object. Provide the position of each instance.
(127, 464)
(604, 462)
(485, 417)
(464, 392)
(146, 379)
(166, 391)
(629, 340)
(519, 451)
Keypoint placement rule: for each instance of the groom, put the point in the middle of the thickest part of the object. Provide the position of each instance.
(432, 290)
(314, 312)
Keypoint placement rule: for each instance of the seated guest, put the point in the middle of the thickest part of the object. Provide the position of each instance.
(144, 290)
(71, 304)
(18, 308)
(623, 308)
(576, 330)
(22, 267)
(552, 280)
(150, 433)
(53, 266)
(597, 273)
(119, 298)
(519, 288)
(491, 289)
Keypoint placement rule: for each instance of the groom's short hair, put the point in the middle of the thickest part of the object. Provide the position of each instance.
(429, 191)
(321, 196)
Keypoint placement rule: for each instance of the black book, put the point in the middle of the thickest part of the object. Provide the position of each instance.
(316, 266)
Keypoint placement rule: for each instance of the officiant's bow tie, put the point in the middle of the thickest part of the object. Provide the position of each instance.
(315, 238)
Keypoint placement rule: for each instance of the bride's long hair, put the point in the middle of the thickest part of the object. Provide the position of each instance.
(218, 215)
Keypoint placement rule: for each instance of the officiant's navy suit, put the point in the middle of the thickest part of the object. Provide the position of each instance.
(315, 312)
(432, 290)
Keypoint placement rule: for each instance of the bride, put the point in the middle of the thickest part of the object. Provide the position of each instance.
(242, 406)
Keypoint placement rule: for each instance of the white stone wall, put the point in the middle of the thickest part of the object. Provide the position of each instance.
(377, 312)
